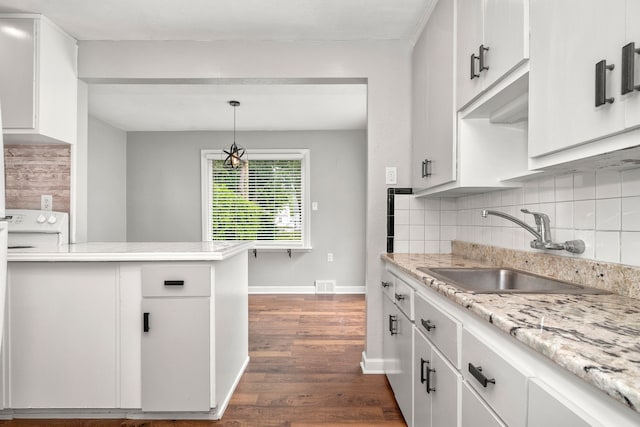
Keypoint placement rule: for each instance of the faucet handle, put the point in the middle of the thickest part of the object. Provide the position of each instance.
(538, 216)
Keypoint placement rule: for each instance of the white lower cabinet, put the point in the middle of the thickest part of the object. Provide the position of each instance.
(548, 408)
(398, 356)
(496, 380)
(176, 338)
(61, 335)
(477, 375)
(176, 374)
(475, 411)
(435, 386)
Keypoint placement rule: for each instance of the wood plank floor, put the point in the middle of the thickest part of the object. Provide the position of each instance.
(304, 371)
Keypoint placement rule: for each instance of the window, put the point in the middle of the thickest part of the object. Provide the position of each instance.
(263, 200)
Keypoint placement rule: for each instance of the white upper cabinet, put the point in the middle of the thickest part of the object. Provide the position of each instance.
(38, 80)
(632, 99)
(568, 39)
(433, 124)
(493, 39)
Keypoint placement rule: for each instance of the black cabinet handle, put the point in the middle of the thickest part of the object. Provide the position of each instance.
(601, 83)
(429, 372)
(427, 324)
(174, 282)
(145, 322)
(393, 324)
(426, 168)
(425, 375)
(481, 59)
(385, 284)
(628, 68)
(472, 62)
(476, 371)
(399, 297)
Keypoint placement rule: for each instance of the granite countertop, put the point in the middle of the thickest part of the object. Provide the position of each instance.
(596, 337)
(132, 251)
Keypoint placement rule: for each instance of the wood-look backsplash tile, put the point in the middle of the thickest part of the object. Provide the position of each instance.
(34, 170)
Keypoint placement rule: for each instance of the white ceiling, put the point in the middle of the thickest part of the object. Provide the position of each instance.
(204, 107)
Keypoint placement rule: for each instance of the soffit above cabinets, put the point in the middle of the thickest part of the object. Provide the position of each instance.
(193, 107)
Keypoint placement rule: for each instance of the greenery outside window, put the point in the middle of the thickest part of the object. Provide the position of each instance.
(265, 199)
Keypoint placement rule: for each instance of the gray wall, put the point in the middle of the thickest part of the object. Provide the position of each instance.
(106, 183)
(164, 199)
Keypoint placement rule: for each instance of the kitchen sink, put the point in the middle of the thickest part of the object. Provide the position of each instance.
(505, 280)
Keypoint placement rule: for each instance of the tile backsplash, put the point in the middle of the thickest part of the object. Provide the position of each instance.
(602, 208)
(34, 170)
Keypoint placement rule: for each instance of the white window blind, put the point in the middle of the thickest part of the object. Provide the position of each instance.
(263, 200)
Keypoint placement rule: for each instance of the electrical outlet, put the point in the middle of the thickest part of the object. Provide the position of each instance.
(46, 203)
(329, 257)
(391, 175)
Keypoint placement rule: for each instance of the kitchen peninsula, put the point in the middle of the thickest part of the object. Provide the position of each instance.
(125, 330)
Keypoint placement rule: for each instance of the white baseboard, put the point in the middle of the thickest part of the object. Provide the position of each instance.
(343, 290)
(370, 365)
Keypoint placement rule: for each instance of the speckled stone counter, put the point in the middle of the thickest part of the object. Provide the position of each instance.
(596, 337)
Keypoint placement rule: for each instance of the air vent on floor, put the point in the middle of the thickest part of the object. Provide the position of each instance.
(325, 286)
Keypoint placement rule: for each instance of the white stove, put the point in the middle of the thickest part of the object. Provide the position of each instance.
(35, 228)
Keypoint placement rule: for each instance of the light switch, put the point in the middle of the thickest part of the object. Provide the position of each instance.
(391, 175)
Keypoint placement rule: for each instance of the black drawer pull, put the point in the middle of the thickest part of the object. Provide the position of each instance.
(476, 371)
(174, 282)
(393, 324)
(385, 284)
(427, 324)
(628, 68)
(145, 322)
(601, 83)
(399, 297)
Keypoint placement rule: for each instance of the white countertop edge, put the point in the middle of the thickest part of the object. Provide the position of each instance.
(99, 256)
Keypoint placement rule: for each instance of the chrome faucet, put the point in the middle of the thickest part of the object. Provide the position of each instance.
(542, 234)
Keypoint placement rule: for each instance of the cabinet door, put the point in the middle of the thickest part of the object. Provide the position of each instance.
(421, 399)
(18, 72)
(475, 411)
(438, 406)
(632, 100)
(469, 38)
(399, 367)
(62, 335)
(433, 125)
(568, 38)
(175, 355)
(506, 34)
(446, 382)
(547, 410)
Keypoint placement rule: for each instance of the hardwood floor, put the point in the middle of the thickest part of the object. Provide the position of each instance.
(304, 371)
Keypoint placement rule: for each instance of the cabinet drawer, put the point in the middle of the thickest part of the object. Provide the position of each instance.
(403, 296)
(176, 281)
(440, 328)
(387, 284)
(498, 382)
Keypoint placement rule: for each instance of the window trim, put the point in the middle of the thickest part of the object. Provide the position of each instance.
(260, 154)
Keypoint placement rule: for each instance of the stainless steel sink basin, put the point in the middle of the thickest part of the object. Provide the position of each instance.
(505, 280)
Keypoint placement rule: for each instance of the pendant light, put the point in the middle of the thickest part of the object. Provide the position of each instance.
(235, 153)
